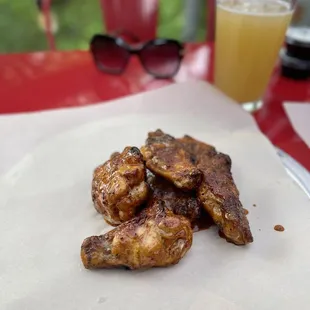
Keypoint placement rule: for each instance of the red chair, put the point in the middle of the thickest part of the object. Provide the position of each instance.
(141, 21)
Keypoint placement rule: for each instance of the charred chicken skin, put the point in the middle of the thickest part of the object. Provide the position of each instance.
(119, 187)
(155, 238)
(174, 199)
(165, 156)
(218, 193)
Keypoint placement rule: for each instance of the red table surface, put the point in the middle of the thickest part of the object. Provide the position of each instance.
(50, 80)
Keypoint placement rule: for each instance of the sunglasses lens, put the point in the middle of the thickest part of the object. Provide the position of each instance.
(161, 60)
(109, 56)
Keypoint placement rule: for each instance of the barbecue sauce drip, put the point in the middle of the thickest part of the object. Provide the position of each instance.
(279, 228)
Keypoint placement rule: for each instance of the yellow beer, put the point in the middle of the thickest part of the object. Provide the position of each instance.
(249, 35)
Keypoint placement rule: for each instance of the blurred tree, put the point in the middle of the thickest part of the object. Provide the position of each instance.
(20, 28)
(172, 20)
(78, 20)
(21, 25)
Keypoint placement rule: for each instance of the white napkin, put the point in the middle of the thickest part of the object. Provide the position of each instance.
(299, 116)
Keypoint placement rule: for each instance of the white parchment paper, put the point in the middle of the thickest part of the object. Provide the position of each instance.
(299, 116)
(46, 212)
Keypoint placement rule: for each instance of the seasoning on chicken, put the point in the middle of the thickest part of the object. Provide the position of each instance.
(119, 187)
(179, 202)
(155, 238)
(165, 156)
(218, 193)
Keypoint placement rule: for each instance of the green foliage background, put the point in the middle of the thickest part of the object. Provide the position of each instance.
(78, 21)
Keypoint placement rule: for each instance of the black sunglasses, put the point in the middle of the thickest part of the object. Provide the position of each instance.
(160, 57)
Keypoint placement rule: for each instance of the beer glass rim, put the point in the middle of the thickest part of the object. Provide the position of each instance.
(291, 3)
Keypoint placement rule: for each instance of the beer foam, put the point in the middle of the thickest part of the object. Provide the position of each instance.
(261, 8)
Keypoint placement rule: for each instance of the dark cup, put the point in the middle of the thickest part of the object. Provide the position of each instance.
(298, 43)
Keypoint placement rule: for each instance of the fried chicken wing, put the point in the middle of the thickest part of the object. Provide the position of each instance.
(119, 187)
(218, 192)
(156, 238)
(174, 199)
(165, 156)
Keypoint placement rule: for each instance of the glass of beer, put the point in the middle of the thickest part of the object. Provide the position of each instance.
(249, 35)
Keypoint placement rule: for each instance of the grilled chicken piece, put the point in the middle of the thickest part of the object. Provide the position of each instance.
(197, 149)
(155, 238)
(165, 156)
(218, 193)
(119, 187)
(174, 199)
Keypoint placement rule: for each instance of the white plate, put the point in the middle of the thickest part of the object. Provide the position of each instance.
(296, 171)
